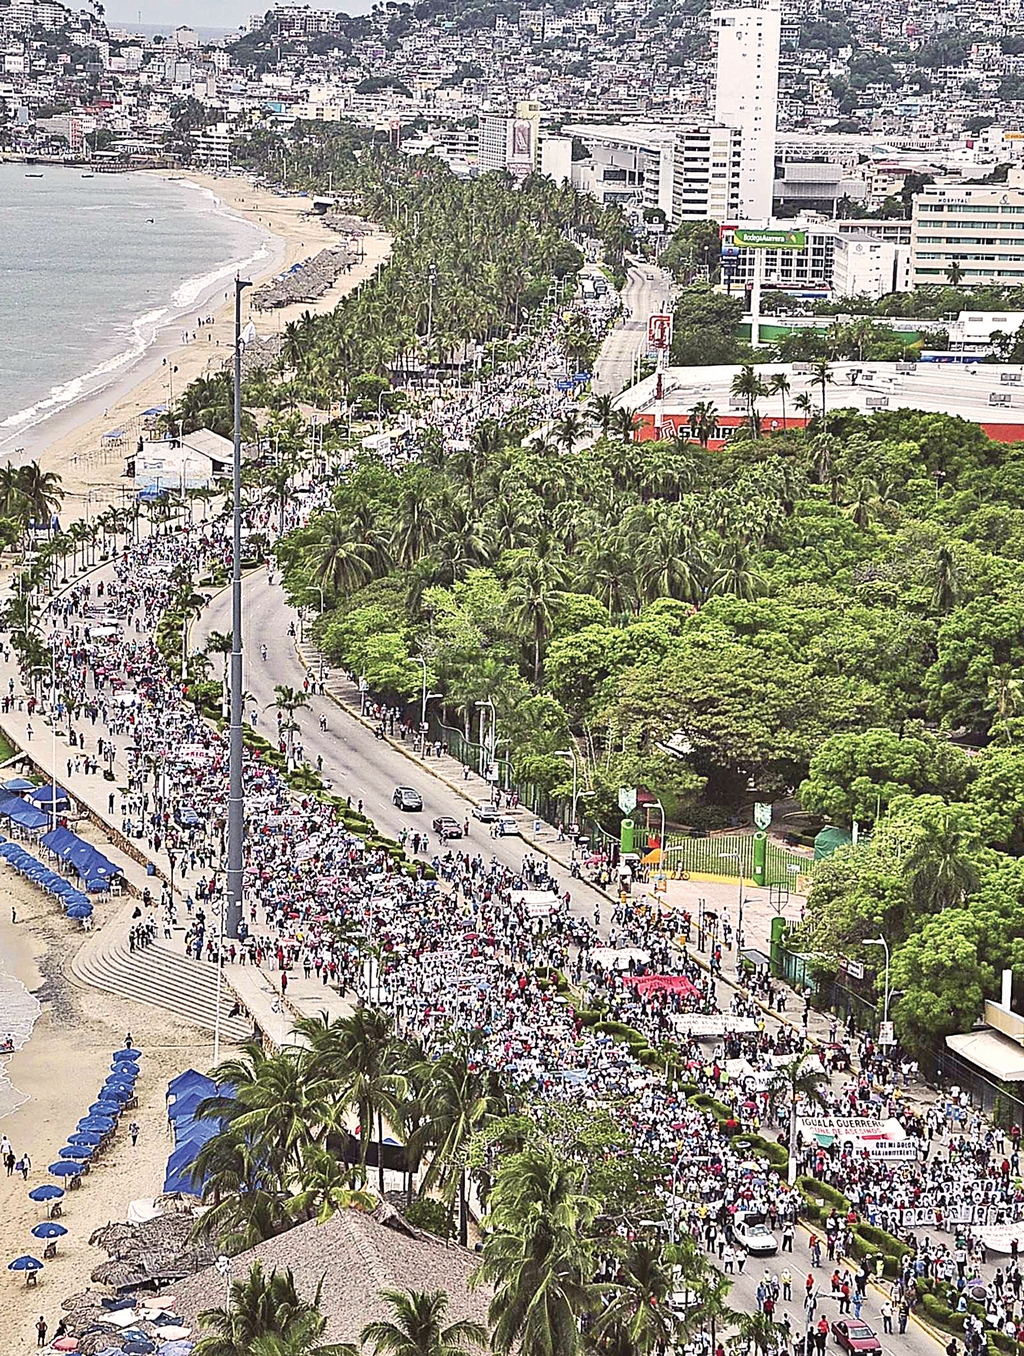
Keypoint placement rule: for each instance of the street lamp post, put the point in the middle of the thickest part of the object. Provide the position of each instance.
(571, 753)
(488, 751)
(735, 857)
(236, 808)
(880, 941)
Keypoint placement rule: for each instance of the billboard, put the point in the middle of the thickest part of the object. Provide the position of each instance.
(659, 332)
(770, 239)
(522, 141)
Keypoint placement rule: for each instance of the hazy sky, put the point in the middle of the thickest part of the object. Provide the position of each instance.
(208, 13)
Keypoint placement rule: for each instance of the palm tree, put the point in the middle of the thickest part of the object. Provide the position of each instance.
(41, 490)
(640, 1319)
(946, 580)
(287, 701)
(821, 374)
(601, 408)
(457, 1100)
(260, 1305)
(954, 274)
(805, 405)
(1005, 693)
(531, 600)
(800, 1081)
(370, 1081)
(941, 862)
(418, 1327)
(748, 384)
(864, 505)
(325, 1185)
(703, 421)
(779, 384)
(623, 424)
(538, 1255)
(757, 1333)
(569, 430)
(220, 642)
(340, 560)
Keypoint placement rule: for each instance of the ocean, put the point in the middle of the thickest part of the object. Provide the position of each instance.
(92, 270)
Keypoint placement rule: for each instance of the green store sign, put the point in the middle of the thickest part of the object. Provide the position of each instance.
(770, 240)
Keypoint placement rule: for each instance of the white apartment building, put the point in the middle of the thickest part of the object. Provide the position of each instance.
(691, 172)
(833, 258)
(213, 144)
(511, 143)
(747, 93)
(979, 229)
(865, 266)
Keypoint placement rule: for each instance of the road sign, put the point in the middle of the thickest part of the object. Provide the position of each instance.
(565, 384)
(582, 377)
(659, 332)
(762, 814)
(770, 240)
(627, 799)
(886, 1035)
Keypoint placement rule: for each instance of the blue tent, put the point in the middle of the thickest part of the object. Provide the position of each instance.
(22, 813)
(47, 794)
(190, 1081)
(16, 784)
(179, 1165)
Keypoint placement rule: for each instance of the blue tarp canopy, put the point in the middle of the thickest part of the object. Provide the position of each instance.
(17, 784)
(95, 869)
(48, 793)
(21, 812)
(179, 1165)
(190, 1081)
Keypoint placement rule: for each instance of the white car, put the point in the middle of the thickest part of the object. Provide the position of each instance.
(507, 827)
(753, 1233)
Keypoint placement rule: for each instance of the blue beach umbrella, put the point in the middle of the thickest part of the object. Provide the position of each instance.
(25, 1263)
(125, 1066)
(65, 1168)
(106, 1106)
(49, 1230)
(139, 1347)
(102, 1124)
(114, 1092)
(78, 911)
(92, 1137)
(80, 1152)
(120, 1056)
(46, 1192)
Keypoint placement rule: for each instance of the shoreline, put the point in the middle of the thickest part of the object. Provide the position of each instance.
(69, 440)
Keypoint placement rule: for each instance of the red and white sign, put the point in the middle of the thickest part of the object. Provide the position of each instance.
(659, 332)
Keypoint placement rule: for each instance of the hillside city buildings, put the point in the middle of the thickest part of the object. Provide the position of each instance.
(891, 135)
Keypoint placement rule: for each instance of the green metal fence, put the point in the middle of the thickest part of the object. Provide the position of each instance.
(716, 855)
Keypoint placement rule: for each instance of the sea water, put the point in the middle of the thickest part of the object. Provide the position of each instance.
(91, 270)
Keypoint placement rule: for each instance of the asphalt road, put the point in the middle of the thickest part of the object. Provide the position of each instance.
(355, 762)
(647, 291)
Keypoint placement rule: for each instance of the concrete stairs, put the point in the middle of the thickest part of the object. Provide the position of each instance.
(163, 978)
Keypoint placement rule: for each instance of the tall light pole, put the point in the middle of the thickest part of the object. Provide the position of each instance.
(487, 753)
(735, 857)
(657, 805)
(571, 753)
(880, 941)
(236, 808)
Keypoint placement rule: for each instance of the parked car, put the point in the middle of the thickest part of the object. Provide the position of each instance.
(486, 811)
(752, 1233)
(406, 798)
(856, 1337)
(507, 828)
(187, 818)
(447, 827)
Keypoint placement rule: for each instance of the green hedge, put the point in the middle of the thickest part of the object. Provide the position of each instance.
(776, 1154)
(708, 1103)
(621, 1032)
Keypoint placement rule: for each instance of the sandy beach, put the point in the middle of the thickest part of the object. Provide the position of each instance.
(70, 441)
(59, 1072)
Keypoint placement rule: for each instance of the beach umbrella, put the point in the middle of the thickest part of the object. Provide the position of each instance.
(125, 1066)
(127, 1053)
(114, 1092)
(65, 1168)
(49, 1230)
(92, 1137)
(79, 910)
(139, 1347)
(79, 1151)
(46, 1192)
(96, 1122)
(106, 1106)
(25, 1264)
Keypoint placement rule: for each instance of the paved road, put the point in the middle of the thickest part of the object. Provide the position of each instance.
(647, 291)
(355, 762)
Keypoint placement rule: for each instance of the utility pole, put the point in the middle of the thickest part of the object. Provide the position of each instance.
(236, 808)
